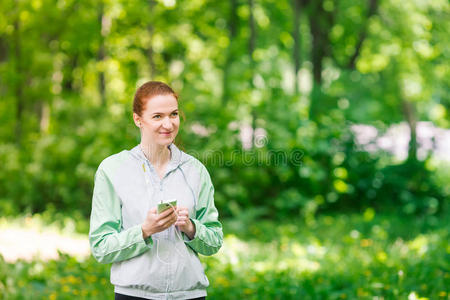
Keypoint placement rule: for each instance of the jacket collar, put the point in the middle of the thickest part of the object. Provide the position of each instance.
(176, 157)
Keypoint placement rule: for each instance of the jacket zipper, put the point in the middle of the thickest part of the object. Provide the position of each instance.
(167, 268)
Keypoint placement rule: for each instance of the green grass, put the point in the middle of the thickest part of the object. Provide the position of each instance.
(334, 257)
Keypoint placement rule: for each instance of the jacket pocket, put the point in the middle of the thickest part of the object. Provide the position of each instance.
(142, 272)
(190, 274)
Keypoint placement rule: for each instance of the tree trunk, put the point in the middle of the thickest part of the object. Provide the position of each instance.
(297, 41)
(18, 92)
(317, 55)
(251, 49)
(317, 50)
(3, 49)
(68, 84)
(320, 23)
(150, 53)
(232, 25)
(101, 53)
(251, 41)
(4, 53)
(373, 5)
(410, 116)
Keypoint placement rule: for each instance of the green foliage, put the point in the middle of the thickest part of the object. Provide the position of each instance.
(296, 75)
(337, 257)
(65, 278)
(57, 170)
(331, 173)
(313, 71)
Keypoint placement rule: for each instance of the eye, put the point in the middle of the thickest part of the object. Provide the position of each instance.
(156, 116)
(174, 114)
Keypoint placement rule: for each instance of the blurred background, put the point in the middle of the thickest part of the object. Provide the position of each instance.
(324, 125)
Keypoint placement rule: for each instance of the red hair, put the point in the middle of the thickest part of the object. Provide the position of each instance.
(147, 91)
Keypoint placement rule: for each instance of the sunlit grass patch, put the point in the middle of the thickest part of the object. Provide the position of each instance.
(34, 238)
(336, 257)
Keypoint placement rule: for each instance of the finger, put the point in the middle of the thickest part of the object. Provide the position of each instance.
(166, 223)
(153, 210)
(169, 223)
(181, 208)
(184, 221)
(169, 218)
(183, 212)
(166, 213)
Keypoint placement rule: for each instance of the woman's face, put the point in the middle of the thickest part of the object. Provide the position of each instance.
(159, 121)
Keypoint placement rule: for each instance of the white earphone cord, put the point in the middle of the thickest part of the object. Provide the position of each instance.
(176, 231)
(176, 248)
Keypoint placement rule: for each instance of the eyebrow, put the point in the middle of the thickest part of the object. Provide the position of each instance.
(160, 113)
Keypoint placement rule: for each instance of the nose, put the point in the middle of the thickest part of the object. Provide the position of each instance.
(167, 124)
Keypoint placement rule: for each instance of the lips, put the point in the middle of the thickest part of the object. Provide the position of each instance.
(165, 133)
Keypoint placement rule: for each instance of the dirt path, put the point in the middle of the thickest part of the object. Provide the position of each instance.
(22, 242)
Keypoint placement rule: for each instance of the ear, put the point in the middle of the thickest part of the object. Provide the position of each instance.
(137, 119)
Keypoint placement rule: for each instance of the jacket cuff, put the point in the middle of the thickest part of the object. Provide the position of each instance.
(196, 241)
(147, 241)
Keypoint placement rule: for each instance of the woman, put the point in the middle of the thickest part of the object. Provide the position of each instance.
(154, 255)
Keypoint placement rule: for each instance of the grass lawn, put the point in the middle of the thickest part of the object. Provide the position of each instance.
(354, 256)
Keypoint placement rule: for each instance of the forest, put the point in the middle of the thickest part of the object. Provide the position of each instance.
(324, 125)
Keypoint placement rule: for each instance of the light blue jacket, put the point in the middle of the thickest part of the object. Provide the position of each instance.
(163, 266)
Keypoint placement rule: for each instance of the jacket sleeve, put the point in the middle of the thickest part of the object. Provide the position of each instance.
(208, 236)
(109, 242)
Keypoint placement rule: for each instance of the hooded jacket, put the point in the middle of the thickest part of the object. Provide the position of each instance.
(162, 266)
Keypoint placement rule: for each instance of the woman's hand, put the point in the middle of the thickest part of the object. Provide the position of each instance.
(155, 222)
(184, 223)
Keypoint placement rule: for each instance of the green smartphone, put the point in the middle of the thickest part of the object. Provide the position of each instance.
(163, 206)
